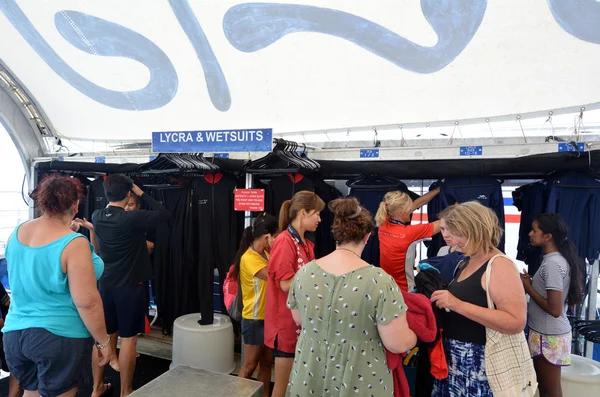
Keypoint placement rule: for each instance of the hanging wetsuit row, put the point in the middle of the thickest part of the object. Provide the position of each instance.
(488, 191)
(202, 236)
(284, 187)
(576, 197)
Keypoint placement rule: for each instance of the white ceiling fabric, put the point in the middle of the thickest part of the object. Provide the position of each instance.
(120, 70)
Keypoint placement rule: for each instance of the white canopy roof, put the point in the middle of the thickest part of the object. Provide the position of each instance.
(121, 70)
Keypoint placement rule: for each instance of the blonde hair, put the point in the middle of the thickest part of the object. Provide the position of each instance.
(478, 223)
(392, 202)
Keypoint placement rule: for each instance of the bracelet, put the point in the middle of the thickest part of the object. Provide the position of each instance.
(99, 346)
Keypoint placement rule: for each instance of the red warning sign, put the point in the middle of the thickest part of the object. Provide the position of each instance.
(249, 200)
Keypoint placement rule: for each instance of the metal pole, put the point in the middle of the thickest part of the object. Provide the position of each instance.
(248, 214)
(247, 222)
(592, 302)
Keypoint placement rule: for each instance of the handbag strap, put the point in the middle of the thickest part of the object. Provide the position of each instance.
(488, 276)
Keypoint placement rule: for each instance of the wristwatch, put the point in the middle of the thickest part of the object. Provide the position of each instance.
(102, 346)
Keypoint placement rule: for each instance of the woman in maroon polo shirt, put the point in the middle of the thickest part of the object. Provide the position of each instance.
(291, 250)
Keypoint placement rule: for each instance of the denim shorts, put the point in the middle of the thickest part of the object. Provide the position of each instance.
(45, 362)
(253, 332)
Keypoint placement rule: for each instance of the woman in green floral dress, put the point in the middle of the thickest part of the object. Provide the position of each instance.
(350, 312)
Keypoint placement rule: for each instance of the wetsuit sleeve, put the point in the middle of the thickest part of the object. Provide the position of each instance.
(143, 219)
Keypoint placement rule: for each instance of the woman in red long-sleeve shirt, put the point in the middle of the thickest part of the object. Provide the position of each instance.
(290, 251)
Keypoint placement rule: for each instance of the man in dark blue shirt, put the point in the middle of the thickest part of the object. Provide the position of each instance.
(120, 239)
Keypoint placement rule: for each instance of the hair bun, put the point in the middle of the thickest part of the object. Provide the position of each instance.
(344, 207)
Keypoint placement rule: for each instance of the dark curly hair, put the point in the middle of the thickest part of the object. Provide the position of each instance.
(57, 194)
(351, 222)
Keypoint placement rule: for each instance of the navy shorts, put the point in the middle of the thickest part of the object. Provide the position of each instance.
(280, 354)
(125, 310)
(45, 362)
(253, 332)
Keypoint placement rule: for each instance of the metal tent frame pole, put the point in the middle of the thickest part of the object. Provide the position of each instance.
(592, 303)
(247, 222)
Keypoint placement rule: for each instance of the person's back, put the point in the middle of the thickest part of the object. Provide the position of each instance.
(122, 246)
(121, 234)
(40, 289)
(56, 312)
(350, 312)
(121, 242)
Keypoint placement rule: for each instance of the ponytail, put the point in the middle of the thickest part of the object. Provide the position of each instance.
(284, 215)
(263, 224)
(247, 239)
(555, 225)
(303, 200)
(393, 202)
(568, 250)
(381, 216)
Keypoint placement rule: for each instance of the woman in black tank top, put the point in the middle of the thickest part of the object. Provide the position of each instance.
(469, 290)
(476, 230)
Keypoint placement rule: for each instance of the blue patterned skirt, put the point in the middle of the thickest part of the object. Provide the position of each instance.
(466, 371)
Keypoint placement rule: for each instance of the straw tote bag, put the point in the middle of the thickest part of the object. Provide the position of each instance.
(508, 363)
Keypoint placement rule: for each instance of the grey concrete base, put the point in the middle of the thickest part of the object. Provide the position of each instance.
(183, 381)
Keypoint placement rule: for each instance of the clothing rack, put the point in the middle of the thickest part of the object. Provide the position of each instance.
(284, 158)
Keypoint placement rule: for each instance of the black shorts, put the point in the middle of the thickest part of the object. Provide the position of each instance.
(49, 363)
(280, 354)
(125, 310)
(253, 332)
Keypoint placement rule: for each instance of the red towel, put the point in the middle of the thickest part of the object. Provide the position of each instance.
(421, 320)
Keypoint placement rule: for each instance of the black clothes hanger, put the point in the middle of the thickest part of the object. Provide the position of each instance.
(373, 181)
(284, 158)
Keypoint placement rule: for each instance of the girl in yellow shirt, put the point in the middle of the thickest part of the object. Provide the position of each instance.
(251, 263)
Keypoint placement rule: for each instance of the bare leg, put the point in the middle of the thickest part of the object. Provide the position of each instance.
(70, 393)
(14, 390)
(98, 372)
(127, 361)
(31, 393)
(548, 377)
(283, 369)
(251, 359)
(264, 370)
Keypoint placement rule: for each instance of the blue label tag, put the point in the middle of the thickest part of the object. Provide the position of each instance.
(253, 140)
(60, 159)
(471, 150)
(221, 155)
(153, 157)
(369, 153)
(569, 147)
(100, 159)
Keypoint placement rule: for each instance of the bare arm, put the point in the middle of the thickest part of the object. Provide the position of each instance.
(94, 241)
(150, 246)
(79, 223)
(82, 284)
(508, 295)
(436, 227)
(424, 199)
(553, 305)
(296, 316)
(396, 336)
(286, 284)
(263, 274)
